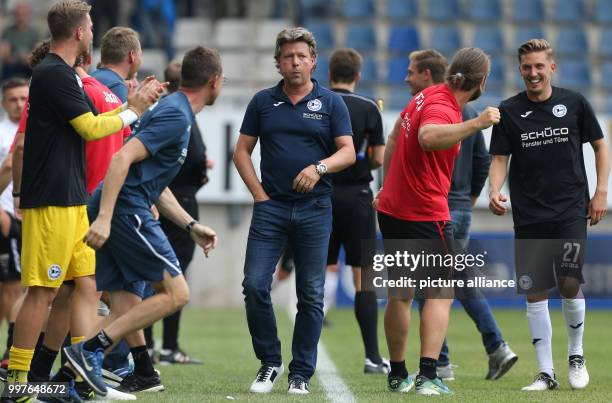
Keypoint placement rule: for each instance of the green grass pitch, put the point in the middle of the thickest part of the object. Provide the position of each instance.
(220, 337)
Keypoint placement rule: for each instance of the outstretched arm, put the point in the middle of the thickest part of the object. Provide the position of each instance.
(434, 137)
(170, 208)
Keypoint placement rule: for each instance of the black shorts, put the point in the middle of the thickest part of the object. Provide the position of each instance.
(546, 251)
(432, 240)
(10, 253)
(353, 222)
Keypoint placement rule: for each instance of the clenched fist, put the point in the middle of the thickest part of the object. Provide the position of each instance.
(490, 116)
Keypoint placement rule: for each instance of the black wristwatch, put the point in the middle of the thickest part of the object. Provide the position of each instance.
(16, 194)
(189, 226)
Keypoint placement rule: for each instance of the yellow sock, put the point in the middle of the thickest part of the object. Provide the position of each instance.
(20, 359)
(76, 339)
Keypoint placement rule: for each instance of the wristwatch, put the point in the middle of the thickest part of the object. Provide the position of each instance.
(189, 226)
(321, 168)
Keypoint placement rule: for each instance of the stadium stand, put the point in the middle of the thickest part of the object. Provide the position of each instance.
(446, 39)
(489, 38)
(442, 10)
(569, 11)
(317, 8)
(606, 73)
(265, 73)
(403, 39)
(571, 42)
(401, 9)
(398, 99)
(357, 9)
(575, 74)
(190, 31)
(523, 34)
(604, 50)
(321, 72)
(607, 108)
(386, 31)
(369, 72)
(603, 11)
(486, 11)
(267, 31)
(361, 37)
(496, 79)
(528, 11)
(231, 34)
(323, 33)
(397, 70)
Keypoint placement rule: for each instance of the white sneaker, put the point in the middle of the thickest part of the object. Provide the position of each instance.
(298, 387)
(578, 374)
(370, 368)
(266, 376)
(114, 394)
(542, 381)
(446, 372)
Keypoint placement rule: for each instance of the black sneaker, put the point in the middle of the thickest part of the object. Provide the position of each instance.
(298, 386)
(178, 356)
(137, 383)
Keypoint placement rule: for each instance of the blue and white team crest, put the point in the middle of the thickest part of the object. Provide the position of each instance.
(314, 105)
(559, 110)
(54, 272)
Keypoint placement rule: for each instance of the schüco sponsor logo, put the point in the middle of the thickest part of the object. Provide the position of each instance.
(546, 133)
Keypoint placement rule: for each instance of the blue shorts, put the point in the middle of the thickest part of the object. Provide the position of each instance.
(137, 251)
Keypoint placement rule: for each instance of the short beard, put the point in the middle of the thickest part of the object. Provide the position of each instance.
(475, 95)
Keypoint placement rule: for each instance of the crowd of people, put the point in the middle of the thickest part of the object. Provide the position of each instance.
(99, 221)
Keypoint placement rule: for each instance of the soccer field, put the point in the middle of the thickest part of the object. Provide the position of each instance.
(220, 337)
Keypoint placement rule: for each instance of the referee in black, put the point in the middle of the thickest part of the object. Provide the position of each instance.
(354, 219)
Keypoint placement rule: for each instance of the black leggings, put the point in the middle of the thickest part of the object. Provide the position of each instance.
(184, 248)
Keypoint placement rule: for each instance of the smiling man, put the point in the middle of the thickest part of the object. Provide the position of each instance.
(305, 132)
(550, 200)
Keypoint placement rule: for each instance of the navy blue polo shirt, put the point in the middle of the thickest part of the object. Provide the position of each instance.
(113, 82)
(295, 136)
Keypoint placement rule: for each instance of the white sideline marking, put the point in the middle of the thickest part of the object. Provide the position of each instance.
(327, 373)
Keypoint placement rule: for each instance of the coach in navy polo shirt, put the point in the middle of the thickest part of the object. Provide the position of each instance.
(305, 133)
